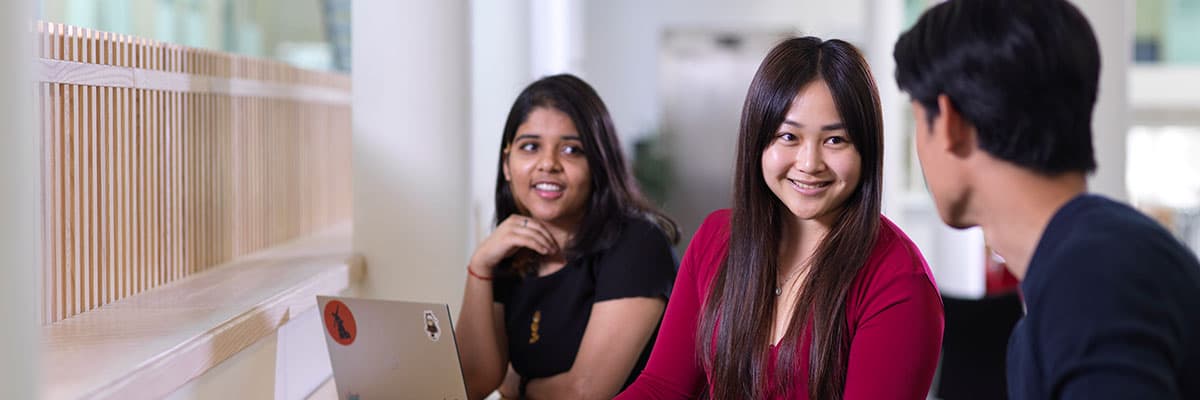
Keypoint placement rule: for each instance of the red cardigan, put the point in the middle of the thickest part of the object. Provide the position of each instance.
(893, 311)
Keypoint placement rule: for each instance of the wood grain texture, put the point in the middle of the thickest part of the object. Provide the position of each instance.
(161, 161)
(146, 346)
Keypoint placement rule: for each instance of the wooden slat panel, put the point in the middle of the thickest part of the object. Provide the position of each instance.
(137, 190)
(148, 184)
(203, 158)
(124, 224)
(176, 181)
(74, 258)
(91, 183)
(86, 191)
(103, 188)
(153, 191)
(185, 180)
(59, 163)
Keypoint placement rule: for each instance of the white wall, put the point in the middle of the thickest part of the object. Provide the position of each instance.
(555, 29)
(410, 118)
(620, 60)
(301, 358)
(885, 22)
(500, 68)
(955, 256)
(19, 207)
(1112, 20)
(1165, 87)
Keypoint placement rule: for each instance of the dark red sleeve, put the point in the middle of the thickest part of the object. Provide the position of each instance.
(895, 347)
(673, 371)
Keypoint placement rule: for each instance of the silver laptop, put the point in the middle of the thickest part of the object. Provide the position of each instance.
(383, 349)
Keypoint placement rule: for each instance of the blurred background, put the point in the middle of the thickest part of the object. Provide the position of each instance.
(433, 81)
(674, 74)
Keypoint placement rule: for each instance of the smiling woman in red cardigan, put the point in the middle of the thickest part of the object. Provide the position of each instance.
(803, 290)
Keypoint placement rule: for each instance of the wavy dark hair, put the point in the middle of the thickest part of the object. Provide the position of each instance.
(736, 324)
(614, 192)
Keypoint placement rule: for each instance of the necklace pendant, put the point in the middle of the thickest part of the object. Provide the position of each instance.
(778, 291)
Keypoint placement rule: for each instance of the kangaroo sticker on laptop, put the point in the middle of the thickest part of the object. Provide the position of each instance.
(433, 328)
(339, 322)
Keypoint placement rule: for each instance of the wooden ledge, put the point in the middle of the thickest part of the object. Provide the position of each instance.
(150, 344)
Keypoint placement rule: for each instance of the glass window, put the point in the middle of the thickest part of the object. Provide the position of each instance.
(1165, 31)
(311, 34)
(1163, 177)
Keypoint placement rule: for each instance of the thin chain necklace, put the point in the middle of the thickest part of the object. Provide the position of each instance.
(795, 272)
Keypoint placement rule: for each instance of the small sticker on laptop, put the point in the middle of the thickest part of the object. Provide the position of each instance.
(339, 322)
(433, 328)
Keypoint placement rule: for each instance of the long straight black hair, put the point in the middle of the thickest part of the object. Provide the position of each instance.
(736, 325)
(614, 192)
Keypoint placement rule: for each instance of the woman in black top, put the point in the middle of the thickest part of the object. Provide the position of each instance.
(564, 297)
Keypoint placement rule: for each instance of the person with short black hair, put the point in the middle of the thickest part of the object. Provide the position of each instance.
(1002, 96)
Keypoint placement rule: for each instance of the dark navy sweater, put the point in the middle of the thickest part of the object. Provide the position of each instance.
(1112, 310)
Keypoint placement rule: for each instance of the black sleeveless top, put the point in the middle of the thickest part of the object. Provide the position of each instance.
(545, 317)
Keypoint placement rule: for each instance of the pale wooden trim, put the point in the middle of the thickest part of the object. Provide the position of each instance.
(148, 345)
(78, 73)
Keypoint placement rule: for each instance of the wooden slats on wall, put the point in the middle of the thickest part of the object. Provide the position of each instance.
(202, 158)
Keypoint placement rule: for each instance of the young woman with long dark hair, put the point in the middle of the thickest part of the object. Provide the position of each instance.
(803, 290)
(564, 296)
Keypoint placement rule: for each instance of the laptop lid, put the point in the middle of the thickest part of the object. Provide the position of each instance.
(383, 349)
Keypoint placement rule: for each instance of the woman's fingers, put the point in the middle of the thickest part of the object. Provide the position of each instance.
(534, 227)
(513, 233)
(542, 237)
(530, 239)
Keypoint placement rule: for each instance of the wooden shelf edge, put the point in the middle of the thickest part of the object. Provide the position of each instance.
(170, 369)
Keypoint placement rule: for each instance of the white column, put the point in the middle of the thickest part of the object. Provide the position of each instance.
(556, 36)
(620, 58)
(885, 20)
(20, 207)
(1112, 20)
(500, 68)
(410, 118)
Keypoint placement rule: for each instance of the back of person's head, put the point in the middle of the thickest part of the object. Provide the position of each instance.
(1024, 73)
(614, 192)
